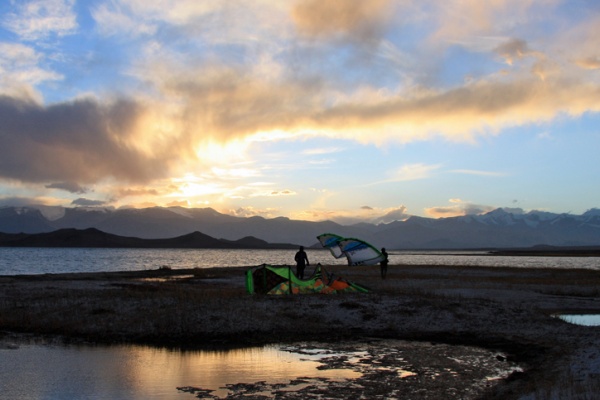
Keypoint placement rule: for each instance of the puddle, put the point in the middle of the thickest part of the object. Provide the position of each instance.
(581, 319)
(368, 368)
(171, 278)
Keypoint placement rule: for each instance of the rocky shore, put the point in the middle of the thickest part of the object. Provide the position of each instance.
(509, 310)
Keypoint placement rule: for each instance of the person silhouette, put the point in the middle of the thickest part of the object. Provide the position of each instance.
(384, 263)
(301, 262)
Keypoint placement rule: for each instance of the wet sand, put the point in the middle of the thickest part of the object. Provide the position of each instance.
(508, 310)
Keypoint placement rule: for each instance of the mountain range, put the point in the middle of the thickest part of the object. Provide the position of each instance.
(501, 228)
(93, 237)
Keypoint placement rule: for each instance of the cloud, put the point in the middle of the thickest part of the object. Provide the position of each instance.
(80, 141)
(460, 114)
(591, 62)
(460, 20)
(71, 187)
(87, 202)
(391, 215)
(478, 172)
(513, 210)
(578, 42)
(544, 136)
(197, 22)
(140, 191)
(226, 99)
(182, 203)
(127, 139)
(458, 208)
(252, 191)
(411, 172)
(21, 71)
(247, 212)
(285, 192)
(356, 20)
(373, 215)
(237, 99)
(112, 20)
(515, 49)
(225, 106)
(150, 12)
(322, 151)
(38, 19)
(225, 103)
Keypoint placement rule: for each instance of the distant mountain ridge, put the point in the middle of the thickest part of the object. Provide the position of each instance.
(93, 237)
(501, 228)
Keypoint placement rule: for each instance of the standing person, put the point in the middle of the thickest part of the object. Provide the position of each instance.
(301, 262)
(384, 263)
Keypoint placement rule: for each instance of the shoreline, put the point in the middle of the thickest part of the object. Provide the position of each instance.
(507, 309)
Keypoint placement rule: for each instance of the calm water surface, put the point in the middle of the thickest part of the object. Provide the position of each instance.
(582, 319)
(40, 369)
(41, 260)
(14, 261)
(56, 371)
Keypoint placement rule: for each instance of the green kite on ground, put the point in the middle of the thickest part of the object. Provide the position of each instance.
(270, 279)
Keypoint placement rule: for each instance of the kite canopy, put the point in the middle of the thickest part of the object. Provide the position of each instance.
(331, 241)
(358, 252)
(269, 279)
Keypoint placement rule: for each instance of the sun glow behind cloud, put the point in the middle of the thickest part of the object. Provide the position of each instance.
(190, 186)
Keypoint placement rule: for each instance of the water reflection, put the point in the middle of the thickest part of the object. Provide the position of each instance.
(582, 319)
(35, 370)
(38, 369)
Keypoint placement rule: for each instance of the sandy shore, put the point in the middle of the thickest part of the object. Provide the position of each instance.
(505, 309)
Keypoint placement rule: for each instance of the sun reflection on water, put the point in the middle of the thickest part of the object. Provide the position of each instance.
(133, 371)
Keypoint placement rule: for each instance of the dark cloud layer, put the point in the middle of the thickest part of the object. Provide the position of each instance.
(80, 141)
(71, 187)
(87, 202)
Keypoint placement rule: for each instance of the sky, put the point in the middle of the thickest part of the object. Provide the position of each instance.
(346, 110)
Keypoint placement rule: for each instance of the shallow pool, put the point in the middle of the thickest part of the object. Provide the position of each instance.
(42, 368)
(582, 319)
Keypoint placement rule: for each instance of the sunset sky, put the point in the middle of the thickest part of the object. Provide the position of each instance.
(319, 109)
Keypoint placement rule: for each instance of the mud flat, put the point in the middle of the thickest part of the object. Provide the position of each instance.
(508, 310)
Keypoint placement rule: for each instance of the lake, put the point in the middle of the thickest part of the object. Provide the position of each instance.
(41, 260)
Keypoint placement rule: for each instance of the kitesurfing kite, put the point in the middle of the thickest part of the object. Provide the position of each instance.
(331, 241)
(358, 252)
(272, 279)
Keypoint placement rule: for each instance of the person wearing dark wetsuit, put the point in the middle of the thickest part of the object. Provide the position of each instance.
(301, 262)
